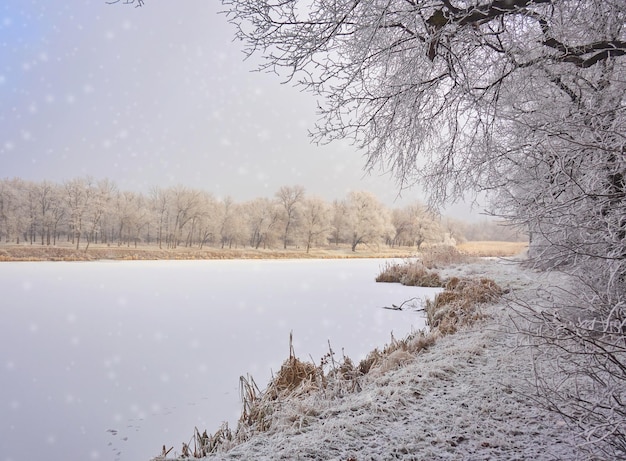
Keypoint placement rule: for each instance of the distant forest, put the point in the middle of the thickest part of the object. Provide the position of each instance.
(84, 211)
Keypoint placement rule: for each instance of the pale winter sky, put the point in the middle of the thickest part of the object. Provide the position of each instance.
(159, 96)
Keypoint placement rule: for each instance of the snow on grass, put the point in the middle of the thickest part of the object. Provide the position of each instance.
(464, 398)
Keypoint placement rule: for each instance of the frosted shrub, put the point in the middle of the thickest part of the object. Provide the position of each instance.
(579, 335)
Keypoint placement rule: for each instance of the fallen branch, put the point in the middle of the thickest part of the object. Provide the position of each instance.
(399, 308)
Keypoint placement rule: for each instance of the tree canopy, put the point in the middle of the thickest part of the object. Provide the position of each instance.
(433, 90)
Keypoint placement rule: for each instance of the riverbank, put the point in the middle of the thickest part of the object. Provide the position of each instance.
(467, 397)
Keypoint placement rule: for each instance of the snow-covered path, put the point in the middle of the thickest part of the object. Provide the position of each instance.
(463, 399)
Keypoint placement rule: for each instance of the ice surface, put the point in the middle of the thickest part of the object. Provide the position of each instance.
(111, 360)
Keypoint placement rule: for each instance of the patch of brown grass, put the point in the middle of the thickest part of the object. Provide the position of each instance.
(419, 273)
(31, 253)
(257, 410)
(410, 274)
(295, 377)
(492, 249)
(293, 374)
(68, 252)
(397, 352)
(459, 304)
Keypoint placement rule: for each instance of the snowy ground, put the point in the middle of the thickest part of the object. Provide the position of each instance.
(466, 398)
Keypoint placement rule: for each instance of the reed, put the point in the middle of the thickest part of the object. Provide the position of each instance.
(460, 303)
(412, 273)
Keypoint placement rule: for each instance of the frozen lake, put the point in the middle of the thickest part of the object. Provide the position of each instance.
(111, 360)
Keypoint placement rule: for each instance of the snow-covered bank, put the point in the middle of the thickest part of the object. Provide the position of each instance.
(465, 398)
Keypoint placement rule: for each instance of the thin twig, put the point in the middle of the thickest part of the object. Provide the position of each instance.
(399, 308)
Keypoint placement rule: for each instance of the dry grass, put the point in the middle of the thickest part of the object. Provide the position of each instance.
(492, 249)
(297, 378)
(419, 273)
(432, 257)
(201, 445)
(66, 252)
(459, 304)
(396, 353)
(409, 273)
(440, 256)
(294, 375)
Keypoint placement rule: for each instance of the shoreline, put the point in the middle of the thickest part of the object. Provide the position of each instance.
(37, 252)
(466, 397)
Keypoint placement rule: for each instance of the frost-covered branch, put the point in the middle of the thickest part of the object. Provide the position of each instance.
(418, 85)
(137, 3)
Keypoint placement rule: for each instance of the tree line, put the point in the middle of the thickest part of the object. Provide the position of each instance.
(83, 211)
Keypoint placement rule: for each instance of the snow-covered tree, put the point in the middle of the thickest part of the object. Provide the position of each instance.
(315, 222)
(12, 216)
(159, 204)
(232, 223)
(208, 219)
(101, 197)
(338, 221)
(262, 216)
(184, 206)
(56, 216)
(415, 225)
(367, 219)
(78, 197)
(44, 193)
(289, 198)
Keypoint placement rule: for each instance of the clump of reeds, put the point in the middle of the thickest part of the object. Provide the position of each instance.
(294, 374)
(459, 304)
(256, 409)
(339, 376)
(201, 445)
(397, 352)
(418, 272)
(294, 377)
(391, 273)
(412, 273)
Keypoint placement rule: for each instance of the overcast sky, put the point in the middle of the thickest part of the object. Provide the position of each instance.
(158, 96)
